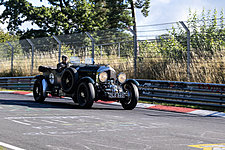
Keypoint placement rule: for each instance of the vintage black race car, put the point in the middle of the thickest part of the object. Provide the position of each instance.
(86, 83)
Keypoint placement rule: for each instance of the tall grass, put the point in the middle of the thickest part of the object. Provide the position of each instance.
(22, 64)
(201, 69)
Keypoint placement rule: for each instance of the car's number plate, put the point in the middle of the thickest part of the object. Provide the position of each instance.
(116, 95)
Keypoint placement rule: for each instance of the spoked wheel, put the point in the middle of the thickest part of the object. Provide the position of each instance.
(85, 95)
(132, 97)
(68, 80)
(38, 91)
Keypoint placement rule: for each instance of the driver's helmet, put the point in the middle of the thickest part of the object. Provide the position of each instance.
(64, 58)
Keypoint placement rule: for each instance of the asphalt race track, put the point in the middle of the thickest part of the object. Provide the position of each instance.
(58, 124)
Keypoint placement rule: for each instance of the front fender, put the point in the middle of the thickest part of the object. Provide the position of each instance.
(132, 81)
(86, 79)
(39, 77)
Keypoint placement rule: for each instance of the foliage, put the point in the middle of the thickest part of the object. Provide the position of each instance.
(207, 37)
(69, 16)
(171, 48)
(166, 57)
(144, 5)
(4, 37)
(207, 34)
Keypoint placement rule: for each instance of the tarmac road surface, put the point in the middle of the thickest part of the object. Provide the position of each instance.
(58, 124)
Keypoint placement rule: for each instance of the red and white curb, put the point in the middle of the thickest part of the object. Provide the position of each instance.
(146, 106)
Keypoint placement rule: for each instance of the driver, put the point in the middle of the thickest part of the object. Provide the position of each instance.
(62, 65)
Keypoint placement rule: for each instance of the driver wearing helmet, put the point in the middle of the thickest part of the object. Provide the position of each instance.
(62, 65)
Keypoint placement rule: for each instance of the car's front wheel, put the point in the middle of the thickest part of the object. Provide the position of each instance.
(132, 97)
(85, 94)
(38, 91)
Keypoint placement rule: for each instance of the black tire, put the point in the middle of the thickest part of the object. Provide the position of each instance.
(74, 97)
(131, 100)
(85, 94)
(38, 91)
(68, 80)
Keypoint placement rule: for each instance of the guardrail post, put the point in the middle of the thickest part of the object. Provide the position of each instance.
(12, 55)
(135, 51)
(119, 49)
(101, 50)
(32, 55)
(60, 45)
(92, 43)
(85, 51)
(188, 48)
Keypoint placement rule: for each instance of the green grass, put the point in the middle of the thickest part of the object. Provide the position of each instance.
(2, 148)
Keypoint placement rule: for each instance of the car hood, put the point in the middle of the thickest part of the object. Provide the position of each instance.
(93, 70)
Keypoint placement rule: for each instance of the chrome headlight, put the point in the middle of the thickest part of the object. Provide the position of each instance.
(122, 77)
(103, 76)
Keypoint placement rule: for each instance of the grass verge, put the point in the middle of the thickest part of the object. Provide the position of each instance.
(3, 148)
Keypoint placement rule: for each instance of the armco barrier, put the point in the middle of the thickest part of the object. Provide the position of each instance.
(208, 94)
(153, 90)
(18, 83)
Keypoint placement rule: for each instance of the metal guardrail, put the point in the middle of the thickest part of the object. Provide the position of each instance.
(18, 83)
(192, 93)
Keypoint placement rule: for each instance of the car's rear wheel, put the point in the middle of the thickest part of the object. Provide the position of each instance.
(85, 94)
(38, 91)
(68, 80)
(131, 99)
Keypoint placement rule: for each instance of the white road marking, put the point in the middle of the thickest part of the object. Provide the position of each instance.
(47, 121)
(52, 117)
(10, 146)
(58, 148)
(44, 127)
(15, 109)
(21, 122)
(60, 121)
(59, 133)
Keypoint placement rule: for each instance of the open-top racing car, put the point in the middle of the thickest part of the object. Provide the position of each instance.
(86, 83)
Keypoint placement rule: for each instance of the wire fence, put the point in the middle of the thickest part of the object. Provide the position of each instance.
(183, 51)
(178, 51)
(23, 57)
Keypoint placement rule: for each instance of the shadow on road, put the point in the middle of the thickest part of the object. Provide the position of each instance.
(48, 104)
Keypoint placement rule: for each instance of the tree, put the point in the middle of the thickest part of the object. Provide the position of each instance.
(4, 37)
(207, 36)
(144, 4)
(68, 16)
